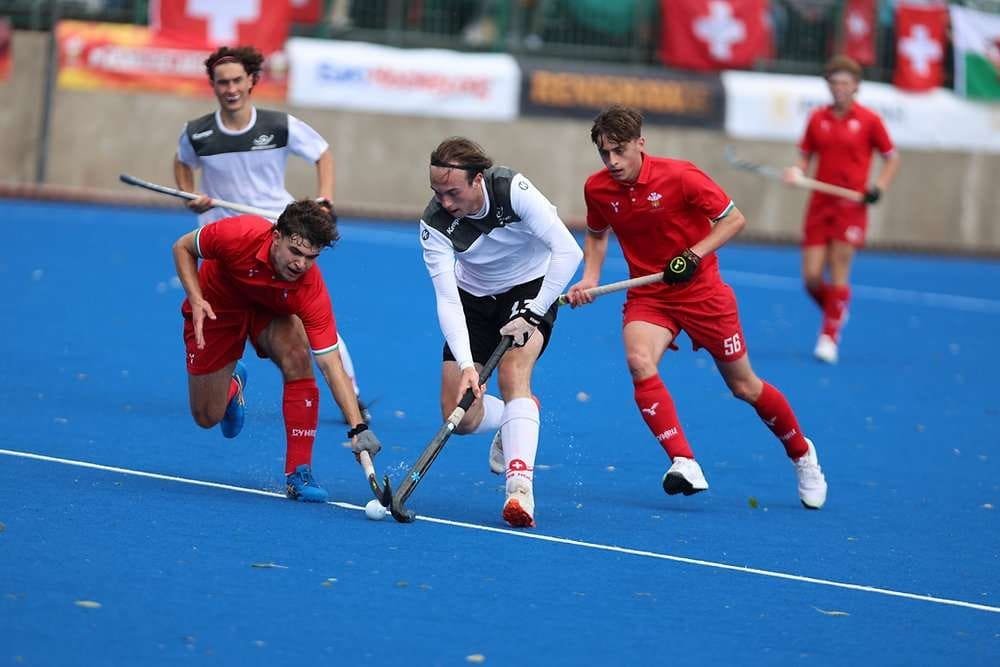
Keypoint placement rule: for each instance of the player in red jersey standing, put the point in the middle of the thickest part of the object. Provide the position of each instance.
(670, 216)
(259, 281)
(842, 136)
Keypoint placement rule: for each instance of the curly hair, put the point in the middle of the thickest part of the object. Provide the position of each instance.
(617, 123)
(251, 59)
(310, 221)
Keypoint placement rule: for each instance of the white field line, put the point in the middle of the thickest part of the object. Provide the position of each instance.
(532, 536)
(763, 280)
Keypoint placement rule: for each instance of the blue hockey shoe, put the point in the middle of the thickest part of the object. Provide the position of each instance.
(300, 485)
(232, 421)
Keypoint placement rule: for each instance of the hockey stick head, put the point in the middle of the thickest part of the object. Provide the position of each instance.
(399, 513)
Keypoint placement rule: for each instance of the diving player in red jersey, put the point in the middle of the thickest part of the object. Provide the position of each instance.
(258, 281)
(842, 137)
(670, 216)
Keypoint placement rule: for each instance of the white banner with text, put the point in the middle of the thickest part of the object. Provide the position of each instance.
(419, 82)
(777, 106)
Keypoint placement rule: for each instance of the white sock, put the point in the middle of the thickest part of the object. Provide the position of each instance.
(345, 358)
(492, 414)
(519, 431)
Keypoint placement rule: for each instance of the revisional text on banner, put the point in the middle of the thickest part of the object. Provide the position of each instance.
(420, 82)
(664, 97)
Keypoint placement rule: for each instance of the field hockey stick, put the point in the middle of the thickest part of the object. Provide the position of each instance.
(601, 290)
(434, 447)
(220, 203)
(799, 180)
(383, 493)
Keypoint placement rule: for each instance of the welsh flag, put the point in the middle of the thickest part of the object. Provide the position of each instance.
(976, 36)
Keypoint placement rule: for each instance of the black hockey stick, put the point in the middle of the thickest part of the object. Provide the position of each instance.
(397, 506)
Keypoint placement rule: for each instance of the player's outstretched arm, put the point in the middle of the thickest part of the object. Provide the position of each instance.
(325, 176)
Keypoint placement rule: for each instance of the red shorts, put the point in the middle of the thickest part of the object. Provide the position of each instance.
(835, 219)
(712, 323)
(225, 338)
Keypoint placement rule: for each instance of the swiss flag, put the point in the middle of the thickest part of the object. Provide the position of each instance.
(307, 11)
(920, 44)
(858, 31)
(714, 34)
(211, 23)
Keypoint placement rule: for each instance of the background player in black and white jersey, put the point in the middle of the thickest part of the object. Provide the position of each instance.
(499, 256)
(242, 152)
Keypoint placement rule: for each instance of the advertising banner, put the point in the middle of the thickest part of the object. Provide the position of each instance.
(776, 107)
(671, 98)
(420, 82)
(127, 57)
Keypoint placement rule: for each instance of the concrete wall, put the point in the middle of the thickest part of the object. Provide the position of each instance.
(940, 199)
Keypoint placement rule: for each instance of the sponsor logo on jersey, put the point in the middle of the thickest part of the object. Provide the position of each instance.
(425, 234)
(615, 205)
(451, 228)
(501, 218)
(654, 199)
(203, 134)
(854, 125)
(263, 142)
(523, 185)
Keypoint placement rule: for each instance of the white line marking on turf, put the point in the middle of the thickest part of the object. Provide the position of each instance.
(887, 294)
(531, 536)
(766, 280)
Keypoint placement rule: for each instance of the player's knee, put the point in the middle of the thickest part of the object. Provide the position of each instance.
(640, 363)
(745, 390)
(296, 363)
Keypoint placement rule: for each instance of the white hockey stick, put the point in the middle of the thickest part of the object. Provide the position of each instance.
(220, 203)
(601, 290)
(799, 179)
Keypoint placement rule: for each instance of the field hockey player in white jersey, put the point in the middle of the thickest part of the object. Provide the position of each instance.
(498, 256)
(242, 152)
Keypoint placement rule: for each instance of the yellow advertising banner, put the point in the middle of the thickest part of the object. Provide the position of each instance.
(101, 56)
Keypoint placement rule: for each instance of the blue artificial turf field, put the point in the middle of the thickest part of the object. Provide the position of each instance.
(900, 567)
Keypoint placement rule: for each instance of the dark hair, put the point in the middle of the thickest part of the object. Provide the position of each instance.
(842, 64)
(618, 123)
(310, 221)
(249, 57)
(461, 153)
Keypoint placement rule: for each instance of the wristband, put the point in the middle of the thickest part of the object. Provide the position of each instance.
(357, 430)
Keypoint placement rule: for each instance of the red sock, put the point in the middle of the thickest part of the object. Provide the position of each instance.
(834, 306)
(300, 406)
(773, 409)
(818, 293)
(657, 409)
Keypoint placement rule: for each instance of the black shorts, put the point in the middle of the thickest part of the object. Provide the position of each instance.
(484, 315)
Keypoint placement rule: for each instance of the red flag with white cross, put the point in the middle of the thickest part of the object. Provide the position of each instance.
(307, 11)
(858, 31)
(920, 45)
(714, 34)
(211, 23)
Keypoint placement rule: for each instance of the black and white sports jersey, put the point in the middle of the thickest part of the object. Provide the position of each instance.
(516, 237)
(248, 165)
